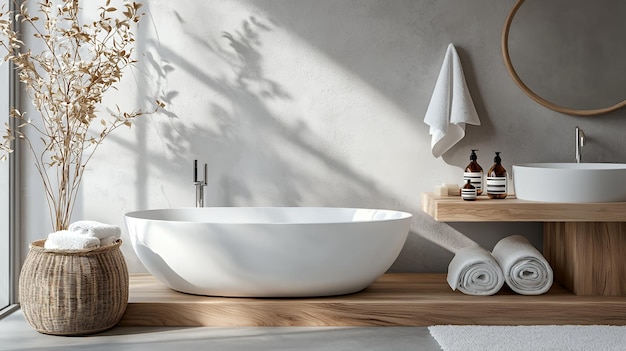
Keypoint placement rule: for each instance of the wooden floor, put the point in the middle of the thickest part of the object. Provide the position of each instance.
(401, 299)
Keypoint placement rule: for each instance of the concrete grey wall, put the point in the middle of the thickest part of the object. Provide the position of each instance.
(316, 103)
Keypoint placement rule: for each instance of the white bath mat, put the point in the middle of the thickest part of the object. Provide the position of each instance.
(530, 338)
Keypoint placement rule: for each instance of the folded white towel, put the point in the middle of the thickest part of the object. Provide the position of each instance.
(66, 240)
(96, 229)
(451, 106)
(474, 271)
(525, 269)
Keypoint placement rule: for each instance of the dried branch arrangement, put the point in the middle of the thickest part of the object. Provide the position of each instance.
(66, 81)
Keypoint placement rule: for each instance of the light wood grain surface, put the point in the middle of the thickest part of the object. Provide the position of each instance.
(588, 258)
(455, 209)
(400, 299)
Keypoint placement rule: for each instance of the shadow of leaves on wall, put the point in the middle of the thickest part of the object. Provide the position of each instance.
(255, 157)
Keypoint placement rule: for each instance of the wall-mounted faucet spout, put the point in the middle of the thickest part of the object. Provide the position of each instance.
(580, 142)
(200, 184)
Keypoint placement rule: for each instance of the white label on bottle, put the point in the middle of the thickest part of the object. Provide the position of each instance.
(468, 194)
(476, 179)
(496, 185)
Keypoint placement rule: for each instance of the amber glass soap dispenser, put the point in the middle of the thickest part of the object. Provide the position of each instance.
(474, 173)
(496, 179)
(468, 192)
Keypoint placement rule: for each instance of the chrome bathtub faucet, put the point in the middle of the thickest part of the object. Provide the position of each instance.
(580, 142)
(200, 184)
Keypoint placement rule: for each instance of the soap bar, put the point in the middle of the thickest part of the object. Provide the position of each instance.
(453, 189)
(441, 190)
(447, 190)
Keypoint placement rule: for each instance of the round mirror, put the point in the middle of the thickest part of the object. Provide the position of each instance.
(568, 55)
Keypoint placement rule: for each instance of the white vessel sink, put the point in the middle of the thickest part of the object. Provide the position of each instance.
(570, 182)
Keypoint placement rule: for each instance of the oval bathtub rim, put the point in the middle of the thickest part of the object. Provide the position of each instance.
(404, 215)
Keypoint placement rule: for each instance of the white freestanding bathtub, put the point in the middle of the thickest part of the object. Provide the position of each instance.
(267, 251)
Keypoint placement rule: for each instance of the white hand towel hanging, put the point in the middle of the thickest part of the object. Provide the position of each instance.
(451, 106)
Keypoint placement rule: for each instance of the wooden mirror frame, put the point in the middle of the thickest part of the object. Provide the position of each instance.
(528, 91)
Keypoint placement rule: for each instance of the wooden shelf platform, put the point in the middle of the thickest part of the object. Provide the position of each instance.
(584, 243)
(395, 299)
(455, 209)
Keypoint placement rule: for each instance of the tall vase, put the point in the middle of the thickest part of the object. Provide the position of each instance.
(73, 292)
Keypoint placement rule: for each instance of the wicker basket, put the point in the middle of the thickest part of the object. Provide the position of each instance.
(73, 292)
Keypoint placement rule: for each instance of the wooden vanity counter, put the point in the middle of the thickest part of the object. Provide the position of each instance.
(483, 209)
(395, 299)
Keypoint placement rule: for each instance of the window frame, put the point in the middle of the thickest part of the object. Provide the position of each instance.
(13, 239)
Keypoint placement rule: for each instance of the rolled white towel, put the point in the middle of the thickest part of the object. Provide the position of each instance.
(525, 269)
(96, 229)
(474, 271)
(66, 240)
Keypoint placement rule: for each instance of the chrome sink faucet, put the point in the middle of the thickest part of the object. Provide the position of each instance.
(200, 184)
(580, 142)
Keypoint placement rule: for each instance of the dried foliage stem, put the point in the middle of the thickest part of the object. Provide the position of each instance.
(66, 81)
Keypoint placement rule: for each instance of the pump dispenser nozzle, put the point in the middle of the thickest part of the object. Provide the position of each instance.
(473, 156)
(497, 159)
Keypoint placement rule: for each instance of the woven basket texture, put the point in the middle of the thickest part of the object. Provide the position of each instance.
(73, 292)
